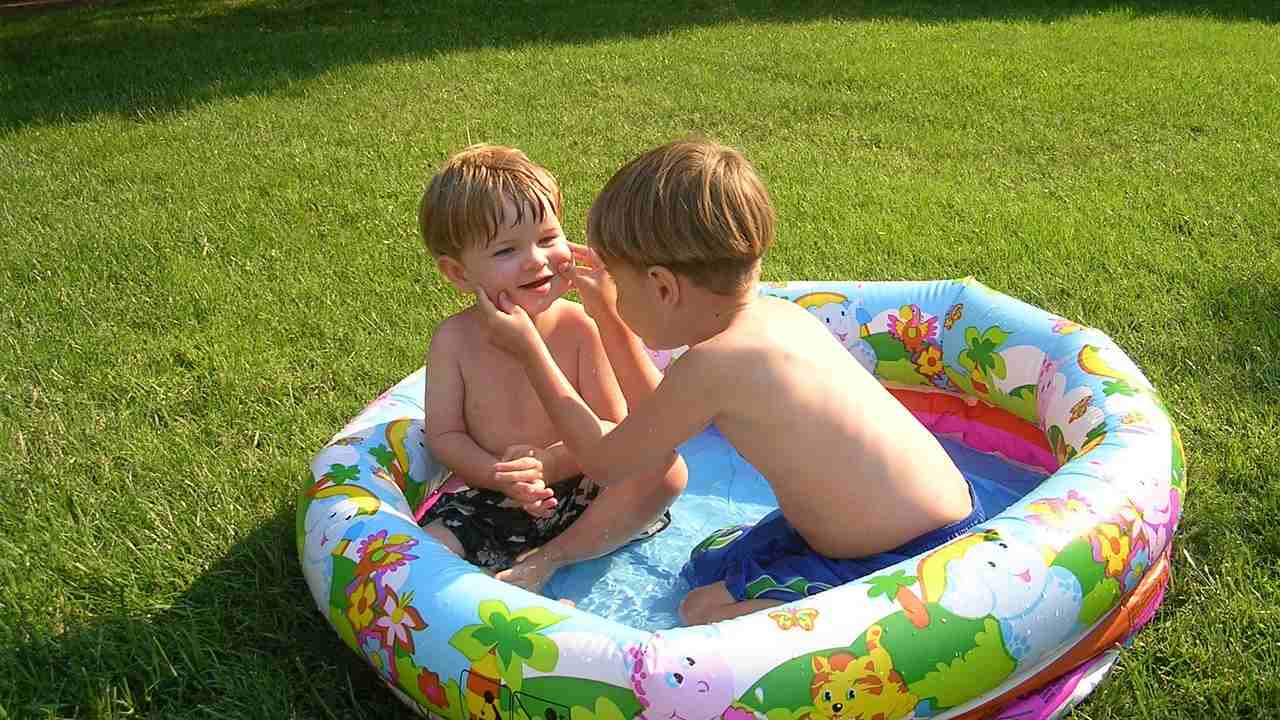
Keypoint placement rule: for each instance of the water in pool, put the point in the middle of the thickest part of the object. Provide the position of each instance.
(640, 584)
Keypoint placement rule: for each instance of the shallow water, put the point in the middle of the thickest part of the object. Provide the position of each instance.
(640, 584)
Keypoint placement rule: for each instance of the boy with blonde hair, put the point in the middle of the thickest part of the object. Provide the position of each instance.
(491, 218)
(677, 239)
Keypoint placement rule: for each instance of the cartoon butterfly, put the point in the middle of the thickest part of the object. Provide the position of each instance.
(1066, 327)
(953, 315)
(787, 619)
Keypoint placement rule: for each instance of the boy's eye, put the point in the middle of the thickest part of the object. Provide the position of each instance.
(503, 251)
(548, 241)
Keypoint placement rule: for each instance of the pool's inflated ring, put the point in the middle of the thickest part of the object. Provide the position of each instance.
(1021, 617)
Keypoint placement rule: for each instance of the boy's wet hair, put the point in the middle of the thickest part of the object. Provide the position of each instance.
(463, 204)
(693, 206)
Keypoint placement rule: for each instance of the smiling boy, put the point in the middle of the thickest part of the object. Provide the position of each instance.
(491, 218)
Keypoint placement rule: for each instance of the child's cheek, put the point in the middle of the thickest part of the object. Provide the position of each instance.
(562, 254)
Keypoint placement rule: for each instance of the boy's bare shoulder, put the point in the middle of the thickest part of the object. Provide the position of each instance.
(454, 331)
(572, 320)
(769, 338)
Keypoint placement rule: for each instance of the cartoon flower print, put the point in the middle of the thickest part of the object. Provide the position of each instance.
(911, 329)
(1148, 526)
(1080, 408)
(361, 605)
(1111, 547)
(381, 553)
(431, 688)
(1056, 512)
(398, 621)
(929, 361)
(953, 316)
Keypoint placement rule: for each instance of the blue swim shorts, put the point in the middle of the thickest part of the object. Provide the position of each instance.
(771, 560)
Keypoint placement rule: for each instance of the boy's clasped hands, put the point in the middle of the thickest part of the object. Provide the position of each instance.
(522, 474)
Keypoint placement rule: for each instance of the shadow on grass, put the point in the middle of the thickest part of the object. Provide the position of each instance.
(244, 641)
(1246, 314)
(146, 57)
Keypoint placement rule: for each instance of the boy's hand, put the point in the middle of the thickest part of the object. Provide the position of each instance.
(522, 475)
(510, 327)
(592, 281)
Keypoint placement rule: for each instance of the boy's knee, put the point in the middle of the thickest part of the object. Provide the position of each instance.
(697, 608)
(446, 537)
(689, 610)
(675, 479)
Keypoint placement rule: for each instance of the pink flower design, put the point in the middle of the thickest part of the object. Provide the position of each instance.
(1062, 326)
(1149, 523)
(1057, 512)
(398, 621)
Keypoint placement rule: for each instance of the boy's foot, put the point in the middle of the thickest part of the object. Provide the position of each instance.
(531, 571)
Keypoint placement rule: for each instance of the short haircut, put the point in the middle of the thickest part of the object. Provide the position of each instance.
(463, 204)
(693, 206)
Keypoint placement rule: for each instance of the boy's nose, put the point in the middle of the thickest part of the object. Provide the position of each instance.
(536, 258)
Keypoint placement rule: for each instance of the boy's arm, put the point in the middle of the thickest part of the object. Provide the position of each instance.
(635, 372)
(645, 441)
(446, 430)
(596, 380)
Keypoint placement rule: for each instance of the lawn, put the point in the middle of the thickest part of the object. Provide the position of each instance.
(209, 261)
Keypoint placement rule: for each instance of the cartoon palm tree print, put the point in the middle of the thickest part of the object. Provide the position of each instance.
(897, 586)
(506, 641)
(980, 357)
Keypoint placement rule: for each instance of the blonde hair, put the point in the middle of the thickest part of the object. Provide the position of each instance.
(693, 206)
(463, 204)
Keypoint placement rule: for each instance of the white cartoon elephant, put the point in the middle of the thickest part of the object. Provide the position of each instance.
(1009, 578)
(837, 314)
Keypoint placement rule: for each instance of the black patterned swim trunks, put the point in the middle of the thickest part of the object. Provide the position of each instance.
(494, 530)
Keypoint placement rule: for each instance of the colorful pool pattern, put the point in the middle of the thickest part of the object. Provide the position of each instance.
(1020, 618)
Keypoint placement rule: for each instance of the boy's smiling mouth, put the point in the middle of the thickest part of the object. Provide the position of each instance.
(538, 283)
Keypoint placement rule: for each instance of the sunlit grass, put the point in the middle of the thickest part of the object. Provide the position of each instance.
(210, 262)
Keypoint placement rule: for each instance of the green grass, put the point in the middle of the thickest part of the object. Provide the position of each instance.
(208, 262)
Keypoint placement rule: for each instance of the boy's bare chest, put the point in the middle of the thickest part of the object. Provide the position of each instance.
(501, 407)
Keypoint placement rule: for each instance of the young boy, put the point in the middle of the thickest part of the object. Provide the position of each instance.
(491, 218)
(860, 483)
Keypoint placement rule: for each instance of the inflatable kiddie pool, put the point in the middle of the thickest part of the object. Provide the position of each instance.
(1019, 618)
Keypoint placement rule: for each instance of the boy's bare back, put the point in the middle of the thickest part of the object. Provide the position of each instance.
(853, 471)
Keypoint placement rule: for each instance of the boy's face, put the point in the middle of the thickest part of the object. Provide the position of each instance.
(639, 305)
(522, 260)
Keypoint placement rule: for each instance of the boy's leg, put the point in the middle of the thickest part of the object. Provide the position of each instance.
(712, 603)
(446, 537)
(618, 514)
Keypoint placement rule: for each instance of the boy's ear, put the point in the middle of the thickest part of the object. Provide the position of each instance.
(454, 271)
(665, 284)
